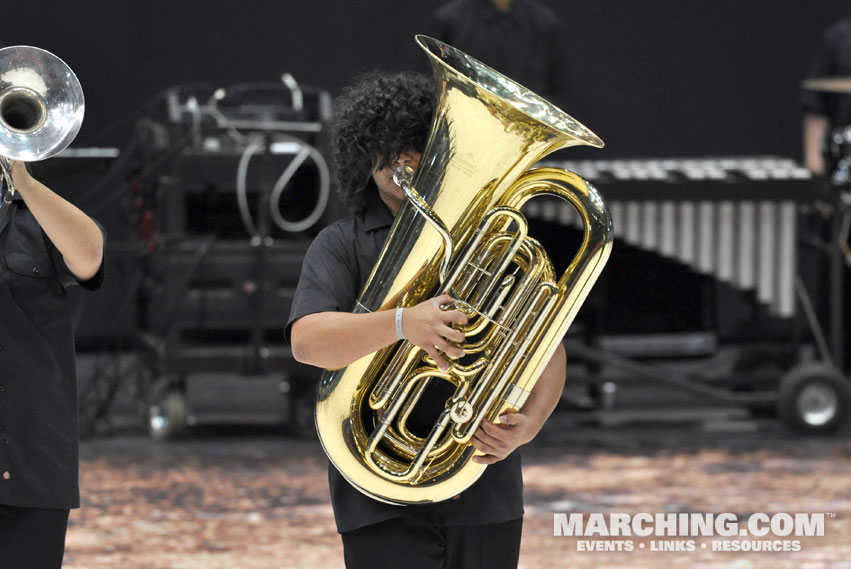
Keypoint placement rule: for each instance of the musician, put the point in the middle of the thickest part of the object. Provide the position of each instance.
(382, 121)
(46, 244)
(824, 111)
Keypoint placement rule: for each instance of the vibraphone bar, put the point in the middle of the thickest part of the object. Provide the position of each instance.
(735, 219)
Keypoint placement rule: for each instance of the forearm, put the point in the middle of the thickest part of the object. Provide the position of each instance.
(74, 234)
(815, 131)
(332, 340)
(335, 339)
(497, 441)
(547, 391)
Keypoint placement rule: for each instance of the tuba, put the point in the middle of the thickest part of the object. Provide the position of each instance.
(461, 232)
(41, 109)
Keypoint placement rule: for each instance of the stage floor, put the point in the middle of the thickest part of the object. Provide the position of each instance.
(257, 499)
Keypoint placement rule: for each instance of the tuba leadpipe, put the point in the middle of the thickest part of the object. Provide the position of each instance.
(461, 232)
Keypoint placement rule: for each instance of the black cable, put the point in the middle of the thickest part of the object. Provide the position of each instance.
(94, 405)
(127, 152)
(149, 168)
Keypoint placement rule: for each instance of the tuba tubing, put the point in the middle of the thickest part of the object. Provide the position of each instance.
(462, 220)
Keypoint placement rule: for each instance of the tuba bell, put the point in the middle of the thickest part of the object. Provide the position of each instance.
(41, 109)
(461, 232)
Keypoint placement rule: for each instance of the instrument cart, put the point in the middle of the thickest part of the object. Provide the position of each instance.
(724, 290)
(225, 224)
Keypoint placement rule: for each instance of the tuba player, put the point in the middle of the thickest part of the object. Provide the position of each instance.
(382, 121)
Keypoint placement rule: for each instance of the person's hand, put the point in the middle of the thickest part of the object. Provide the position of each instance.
(21, 177)
(499, 440)
(429, 326)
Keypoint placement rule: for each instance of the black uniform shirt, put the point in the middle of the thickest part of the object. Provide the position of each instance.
(832, 59)
(38, 381)
(335, 269)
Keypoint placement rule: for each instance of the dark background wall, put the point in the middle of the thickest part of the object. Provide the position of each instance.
(653, 78)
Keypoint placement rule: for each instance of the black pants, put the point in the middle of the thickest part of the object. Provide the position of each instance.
(414, 545)
(32, 538)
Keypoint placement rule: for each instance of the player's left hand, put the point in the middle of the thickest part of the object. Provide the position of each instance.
(498, 440)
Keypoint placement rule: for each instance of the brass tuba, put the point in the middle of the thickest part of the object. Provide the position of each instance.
(41, 109)
(461, 232)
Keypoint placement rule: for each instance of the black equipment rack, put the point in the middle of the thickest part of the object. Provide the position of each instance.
(219, 273)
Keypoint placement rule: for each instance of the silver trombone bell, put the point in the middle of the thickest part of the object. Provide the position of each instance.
(41, 104)
(41, 108)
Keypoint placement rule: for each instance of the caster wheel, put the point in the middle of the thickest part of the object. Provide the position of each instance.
(813, 398)
(166, 411)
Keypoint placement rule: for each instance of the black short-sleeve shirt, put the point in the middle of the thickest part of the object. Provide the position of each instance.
(335, 269)
(38, 380)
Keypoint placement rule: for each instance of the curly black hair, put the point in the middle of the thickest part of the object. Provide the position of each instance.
(377, 118)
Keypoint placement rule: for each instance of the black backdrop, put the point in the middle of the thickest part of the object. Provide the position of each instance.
(654, 78)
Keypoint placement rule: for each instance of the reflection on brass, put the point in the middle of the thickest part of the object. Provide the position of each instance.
(41, 109)
(461, 232)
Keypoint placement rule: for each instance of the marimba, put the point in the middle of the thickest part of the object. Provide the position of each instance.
(735, 219)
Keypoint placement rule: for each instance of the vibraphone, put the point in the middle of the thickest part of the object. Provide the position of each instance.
(735, 219)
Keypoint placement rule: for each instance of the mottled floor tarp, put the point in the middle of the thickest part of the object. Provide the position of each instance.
(259, 500)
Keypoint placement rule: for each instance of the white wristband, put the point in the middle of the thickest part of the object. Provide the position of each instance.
(399, 333)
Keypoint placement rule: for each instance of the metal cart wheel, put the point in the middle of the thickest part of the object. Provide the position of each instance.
(813, 398)
(165, 409)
